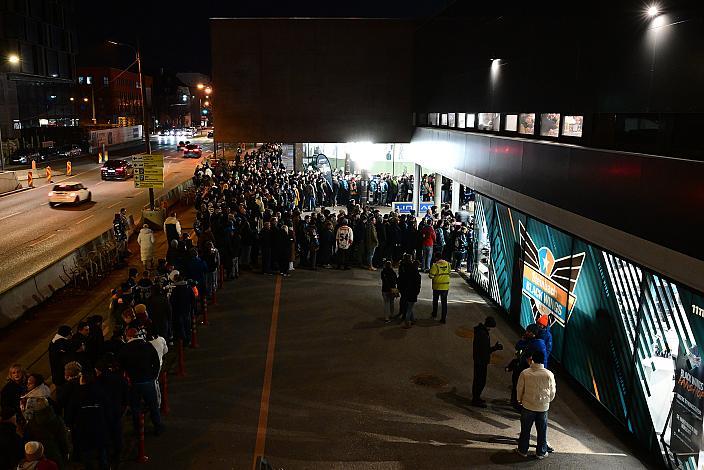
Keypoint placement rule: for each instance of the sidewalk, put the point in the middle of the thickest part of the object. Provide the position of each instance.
(26, 341)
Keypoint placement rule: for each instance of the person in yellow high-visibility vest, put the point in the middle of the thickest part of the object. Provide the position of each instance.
(440, 274)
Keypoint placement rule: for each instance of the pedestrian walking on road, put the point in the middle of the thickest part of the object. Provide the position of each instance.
(146, 246)
(482, 351)
(440, 274)
(389, 289)
(536, 389)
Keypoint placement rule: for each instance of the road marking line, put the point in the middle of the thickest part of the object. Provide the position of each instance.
(266, 387)
(11, 215)
(41, 241)
(98, 184)
(114, 204)
(83, 220)
(44, 203)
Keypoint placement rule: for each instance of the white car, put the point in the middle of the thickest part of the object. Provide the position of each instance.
(69, 193)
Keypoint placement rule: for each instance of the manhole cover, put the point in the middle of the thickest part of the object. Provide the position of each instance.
(465, 332)
(429, 380)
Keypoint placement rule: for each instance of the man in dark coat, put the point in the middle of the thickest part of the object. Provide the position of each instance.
(159, 310)
(140, 361)
(482, 350)
(183, 303)
(59, 347)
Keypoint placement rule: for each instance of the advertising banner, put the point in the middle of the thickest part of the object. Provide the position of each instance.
(148, 171)
(407, 207)
(687, 404)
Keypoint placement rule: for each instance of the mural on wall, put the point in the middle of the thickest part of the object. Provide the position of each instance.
(628, 336)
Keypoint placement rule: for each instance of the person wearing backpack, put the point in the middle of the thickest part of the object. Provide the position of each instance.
(440, 274)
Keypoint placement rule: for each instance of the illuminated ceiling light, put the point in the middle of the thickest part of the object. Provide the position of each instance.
(652, 11)
(14, 59)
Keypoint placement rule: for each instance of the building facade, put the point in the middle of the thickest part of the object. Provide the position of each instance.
(109, 96)
(38, 48)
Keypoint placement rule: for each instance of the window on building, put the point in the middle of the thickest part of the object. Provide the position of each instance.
(451, 120)
(526, 123)
(461, 120)
(470, 120)
(443, 119)
(511, 122)
(489, 121)
(572, 126)
(550, 124)
(89, 80)
(81, 80)
(433, 119)
(106, 81)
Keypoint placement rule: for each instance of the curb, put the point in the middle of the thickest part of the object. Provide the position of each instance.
(14, 191)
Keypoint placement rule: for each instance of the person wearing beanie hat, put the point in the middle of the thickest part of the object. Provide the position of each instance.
(481, 353)
(34, 458)
(545, 334)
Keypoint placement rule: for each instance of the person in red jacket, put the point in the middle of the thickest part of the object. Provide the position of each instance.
(34, 458)
(427, 235)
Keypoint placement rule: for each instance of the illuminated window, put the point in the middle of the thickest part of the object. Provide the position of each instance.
(489, 122)
(526, 123)
(451, 119)
(80, 80)
(550, 124)
(89, 80)
(433, 119)
(443, 119)
(572, 126)
(511, 122)
(470, 120)
(461, 120)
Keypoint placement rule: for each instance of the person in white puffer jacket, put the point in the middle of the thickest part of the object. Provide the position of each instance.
(146, 245)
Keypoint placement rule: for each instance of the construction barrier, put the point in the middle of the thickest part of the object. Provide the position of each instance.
(34, 164)
(48, 174)
(181, 369)
(194, 333)
(164, 383)
(141, 457)
(30, 180)
(68, 168)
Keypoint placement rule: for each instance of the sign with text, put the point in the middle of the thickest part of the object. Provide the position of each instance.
(407, 207)
(148, 171)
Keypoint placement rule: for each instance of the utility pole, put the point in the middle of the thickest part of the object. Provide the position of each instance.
(145, 123)
(2, 153)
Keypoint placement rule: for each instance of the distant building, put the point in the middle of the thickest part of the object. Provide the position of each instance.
(110, 96)
(38, 47)
(178, 102)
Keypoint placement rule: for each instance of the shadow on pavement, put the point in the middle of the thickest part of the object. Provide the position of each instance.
(84, 206)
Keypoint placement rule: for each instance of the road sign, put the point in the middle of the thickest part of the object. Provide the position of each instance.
(148, 171)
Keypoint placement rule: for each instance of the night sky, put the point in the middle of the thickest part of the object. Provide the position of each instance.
(176, 34)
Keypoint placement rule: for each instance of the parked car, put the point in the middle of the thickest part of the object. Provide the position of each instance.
(192, 151)
(116, 169)
(181, 144)
(69, 193)
(24, 156)
(70, 151)
(49, 153)
(210, 134)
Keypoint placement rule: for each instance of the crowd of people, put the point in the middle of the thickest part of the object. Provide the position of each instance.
(249, 216)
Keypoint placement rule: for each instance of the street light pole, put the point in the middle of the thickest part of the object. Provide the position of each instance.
(145, 123)
(2, 153)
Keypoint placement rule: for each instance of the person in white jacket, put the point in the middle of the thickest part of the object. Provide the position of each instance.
(344, 238)
(146, 245)
(535, 390)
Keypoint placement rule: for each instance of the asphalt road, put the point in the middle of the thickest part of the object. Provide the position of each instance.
(35, 236)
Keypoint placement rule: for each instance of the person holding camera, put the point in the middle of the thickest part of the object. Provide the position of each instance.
(482, 351)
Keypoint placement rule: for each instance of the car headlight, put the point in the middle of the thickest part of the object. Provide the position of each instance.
(51, 193)
(72, 194)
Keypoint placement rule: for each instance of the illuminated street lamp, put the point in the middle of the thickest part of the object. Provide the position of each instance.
(206, 104)
(14, 59)
(85, 100)
(208, 90)
(652, 11)
(200, 86)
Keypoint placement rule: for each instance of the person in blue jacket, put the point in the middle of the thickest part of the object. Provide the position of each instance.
(545, 334)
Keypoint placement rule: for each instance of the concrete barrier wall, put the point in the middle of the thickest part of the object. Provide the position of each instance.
(8, 181)
(37, 288)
